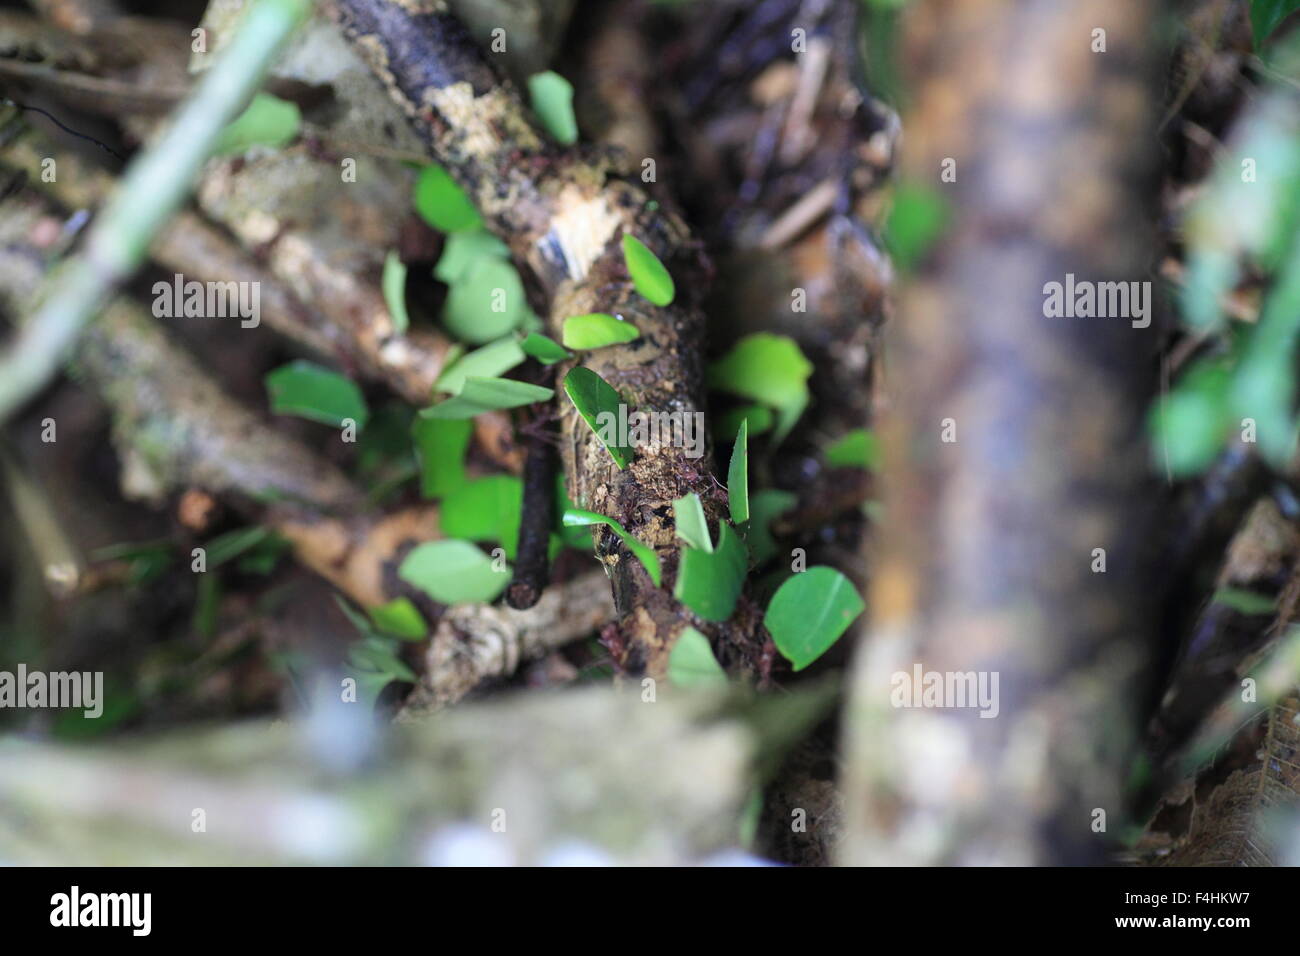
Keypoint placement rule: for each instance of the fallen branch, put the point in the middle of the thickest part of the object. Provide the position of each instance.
(563, 214)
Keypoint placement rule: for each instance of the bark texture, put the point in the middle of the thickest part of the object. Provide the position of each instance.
(987, 562)
(563, 213)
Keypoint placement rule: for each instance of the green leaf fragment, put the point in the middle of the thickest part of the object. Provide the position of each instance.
(809, 612)
(552, 98)
(691, 662)
(479, 395)
(577, 517)
(400, 618)
(487, 509)
(442, 203)
(316, 393)
(648, 274)
(738, 477)
(598, 404)
(597, 330)
(545, 350)
(440, 446)
(465, 248)
(858, 449)
(710, 582)
(764, 507)
(491, 361)
(394, 288)
(268, 121)
(766, 368)
(485, 302)
(691, 525)
(454, 572)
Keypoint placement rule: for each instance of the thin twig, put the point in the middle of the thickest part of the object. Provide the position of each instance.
(153, 187)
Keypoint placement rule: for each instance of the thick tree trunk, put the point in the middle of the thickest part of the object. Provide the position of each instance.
(1013, 447)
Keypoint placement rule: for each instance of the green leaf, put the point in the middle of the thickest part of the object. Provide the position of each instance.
(465, 248)
(225, 547)
(766, 368)
(487, 509)
(692, 527)
(764, 508)
(709, 582)
(378, 656)
(919, 215)
(691, 662)
(552, 97)
(738, 477)
(394, 287)
(316, 393)
(442, 203)
(547, 351)
(440, 445)
(479, 395)
(1267, 15)
(571, 536)
(490, 361)
(400, 618)
(597, 330)
(858, 449)
(1245, 602)
(576, 517)
(1190, 424)
(268, 121)
(809, 612)
(759, 418)
(485, 302)
(453, 572)
(648, 274)
(598, 404)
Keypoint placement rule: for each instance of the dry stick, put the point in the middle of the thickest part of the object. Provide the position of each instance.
(563, 214)
(533, 563)
(195, 248)
(155, 184)
(987, 563)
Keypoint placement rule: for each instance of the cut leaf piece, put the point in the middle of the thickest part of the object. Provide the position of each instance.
(738, 477)
(709, 583)
(760, 420)
(487, 509)
(394, 286)
(858, 449)
(599, 405)
(232, 544)
(485, 302)
(479, 395)
(691, 662)
(465, 248)
(766, 368)
(268, 121)
(648, 274)
(400, 618)
(545, 350)
(597, 330)
(453, 572)
(552, 97)
(764, 507)
(575, 517)
(316, 393)
(440, 444)
(442, 203)
(490, 361)
(809, 612)
(919, 215)
(692, 527)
